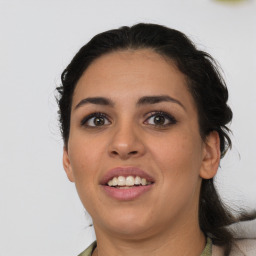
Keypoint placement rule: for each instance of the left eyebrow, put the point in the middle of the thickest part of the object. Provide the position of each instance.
(158, 99)
(95, 100)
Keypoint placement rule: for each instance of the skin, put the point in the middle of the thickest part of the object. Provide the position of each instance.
(164, 220)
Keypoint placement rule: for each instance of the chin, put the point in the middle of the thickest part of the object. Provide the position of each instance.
(125, 224)
(130, 231)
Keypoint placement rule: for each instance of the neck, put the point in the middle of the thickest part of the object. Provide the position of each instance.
(186, 241)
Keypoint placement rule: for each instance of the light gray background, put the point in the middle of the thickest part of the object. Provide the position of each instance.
(40, 213)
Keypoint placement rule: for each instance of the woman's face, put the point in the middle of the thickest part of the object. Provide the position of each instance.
(132, 115)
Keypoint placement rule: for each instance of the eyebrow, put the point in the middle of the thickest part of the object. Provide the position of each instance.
(146, 100)
(158, 99)
(95, 100)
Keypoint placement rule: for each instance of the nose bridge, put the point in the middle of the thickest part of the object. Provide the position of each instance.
(125, 140)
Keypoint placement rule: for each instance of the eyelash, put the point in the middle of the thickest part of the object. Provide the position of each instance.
(91, 116)
(170, 118)
(167, 116)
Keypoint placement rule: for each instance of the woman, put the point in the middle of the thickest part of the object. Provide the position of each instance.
(143, 116)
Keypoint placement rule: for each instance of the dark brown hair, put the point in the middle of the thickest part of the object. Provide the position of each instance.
(205, 83)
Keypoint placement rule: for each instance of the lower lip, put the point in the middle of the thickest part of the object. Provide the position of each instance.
(126, 193)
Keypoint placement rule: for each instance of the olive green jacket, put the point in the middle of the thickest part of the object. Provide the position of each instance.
(241, 247)
(89, 250)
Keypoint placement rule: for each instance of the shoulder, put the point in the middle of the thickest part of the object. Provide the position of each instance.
(88, 251)
(241, 247)
(246, 246)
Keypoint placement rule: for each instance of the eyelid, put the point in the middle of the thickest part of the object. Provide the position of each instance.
(168, 116)
(93, 115)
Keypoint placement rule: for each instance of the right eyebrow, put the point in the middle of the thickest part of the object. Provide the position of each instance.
(95, 100)
(158, 99)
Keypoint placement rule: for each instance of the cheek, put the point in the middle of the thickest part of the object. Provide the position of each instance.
(179, 158)
(177, 150)
(85, 153)
(84, 159)
(180, 183)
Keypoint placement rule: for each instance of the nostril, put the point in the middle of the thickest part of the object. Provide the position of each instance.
(124, 153)
(133, 152)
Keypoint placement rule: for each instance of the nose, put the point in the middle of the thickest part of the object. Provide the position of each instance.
(126, 142)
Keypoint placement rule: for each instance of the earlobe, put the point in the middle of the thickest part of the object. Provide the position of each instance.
(67, 165)
(211, 156)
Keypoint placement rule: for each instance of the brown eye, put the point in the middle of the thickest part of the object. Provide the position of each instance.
(95, 120)
(98, 121)
(161, 119)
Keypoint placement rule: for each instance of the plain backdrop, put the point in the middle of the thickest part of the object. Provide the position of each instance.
(40, 213)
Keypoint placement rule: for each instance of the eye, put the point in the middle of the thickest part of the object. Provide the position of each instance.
(160, 119)
(95, 120)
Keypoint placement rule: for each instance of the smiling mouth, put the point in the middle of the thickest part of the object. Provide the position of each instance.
(122, 182)
(126, 183)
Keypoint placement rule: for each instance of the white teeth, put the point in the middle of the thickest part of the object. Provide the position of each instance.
(114, 181)
(121, 181)
(129, 181)
(143, 182)
(137, 180)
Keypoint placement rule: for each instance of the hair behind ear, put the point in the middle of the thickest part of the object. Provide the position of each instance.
(215, 216)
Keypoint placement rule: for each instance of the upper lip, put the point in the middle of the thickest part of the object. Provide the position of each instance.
(125, 171)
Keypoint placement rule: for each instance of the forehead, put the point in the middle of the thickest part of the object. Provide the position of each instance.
(132, 73)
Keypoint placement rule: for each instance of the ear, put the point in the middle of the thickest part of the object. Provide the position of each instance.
(67, 165)
(211, 156)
